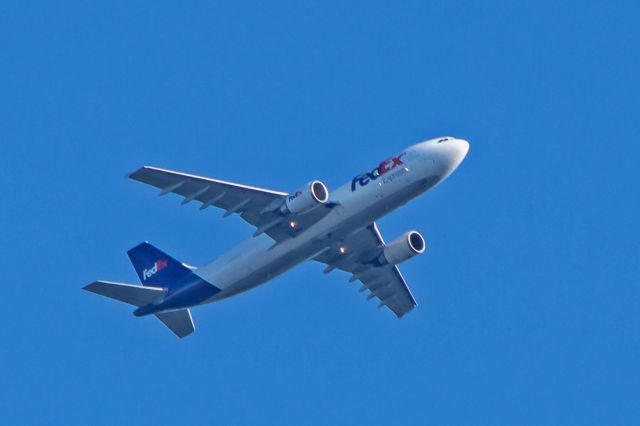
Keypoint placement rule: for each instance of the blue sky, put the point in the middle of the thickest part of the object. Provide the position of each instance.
(528, 294)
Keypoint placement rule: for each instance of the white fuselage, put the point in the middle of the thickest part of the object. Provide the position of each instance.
(365, 199)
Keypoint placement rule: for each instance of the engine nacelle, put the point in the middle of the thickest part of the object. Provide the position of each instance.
(404, 247)
(312, 194)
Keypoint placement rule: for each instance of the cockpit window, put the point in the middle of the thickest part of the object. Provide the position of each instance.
(443, 140)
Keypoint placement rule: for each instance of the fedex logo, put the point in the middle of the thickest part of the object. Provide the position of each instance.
(158, 266)
(385, 167)
(294, 196)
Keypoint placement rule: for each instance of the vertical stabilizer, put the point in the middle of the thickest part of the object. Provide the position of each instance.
(156, 268)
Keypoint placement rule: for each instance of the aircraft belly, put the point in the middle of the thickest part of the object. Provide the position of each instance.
(263, 270)
(257, 261)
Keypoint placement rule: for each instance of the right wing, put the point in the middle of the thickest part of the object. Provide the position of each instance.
(259, 207)
(384, 282)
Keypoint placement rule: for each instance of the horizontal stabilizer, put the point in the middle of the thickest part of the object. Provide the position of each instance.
(128, 293)
(180, 322)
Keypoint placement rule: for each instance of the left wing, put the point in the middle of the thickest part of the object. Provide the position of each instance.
(259, 207)
(361, 253)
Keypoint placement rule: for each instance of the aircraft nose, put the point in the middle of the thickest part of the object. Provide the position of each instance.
(457, 150)
(462, 148)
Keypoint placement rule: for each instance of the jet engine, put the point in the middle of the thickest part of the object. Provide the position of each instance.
(303, 200)
(404, 247)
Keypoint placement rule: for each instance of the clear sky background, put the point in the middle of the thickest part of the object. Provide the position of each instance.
(528, 295)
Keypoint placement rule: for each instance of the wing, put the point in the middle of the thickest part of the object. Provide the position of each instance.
(257, 206)
(385, 282)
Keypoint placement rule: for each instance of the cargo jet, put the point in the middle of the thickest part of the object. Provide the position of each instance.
(337, 229)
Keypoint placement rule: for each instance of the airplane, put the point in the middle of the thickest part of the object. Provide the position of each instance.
(337, 229)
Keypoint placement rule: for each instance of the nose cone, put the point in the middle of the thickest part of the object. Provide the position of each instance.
(443, 155)
(453, 151)
(462, 148)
